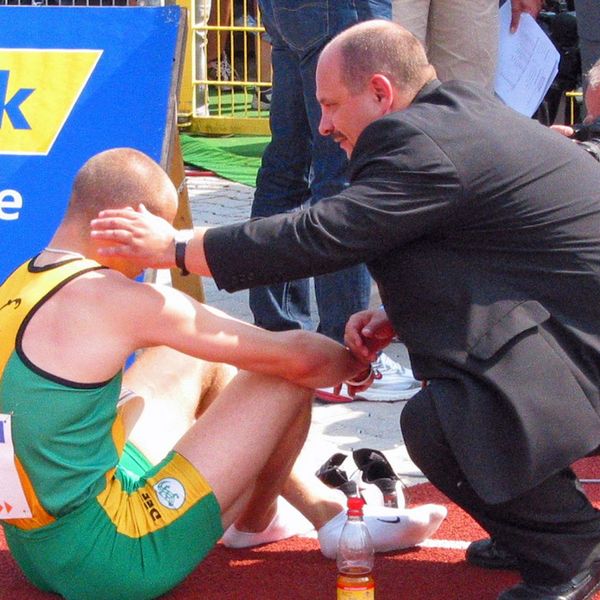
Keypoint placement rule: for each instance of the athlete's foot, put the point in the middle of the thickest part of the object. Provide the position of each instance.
(286, 523)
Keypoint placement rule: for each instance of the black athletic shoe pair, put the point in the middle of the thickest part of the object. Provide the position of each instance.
(374, 468)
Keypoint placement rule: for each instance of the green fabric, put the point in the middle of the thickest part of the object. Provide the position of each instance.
(82, 557)
(235, 158)
(238, 104)
(55, 428)
(134, 462)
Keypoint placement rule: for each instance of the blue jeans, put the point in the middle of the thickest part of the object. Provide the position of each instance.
(299, 166)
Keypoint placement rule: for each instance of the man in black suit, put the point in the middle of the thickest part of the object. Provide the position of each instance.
(482, 230)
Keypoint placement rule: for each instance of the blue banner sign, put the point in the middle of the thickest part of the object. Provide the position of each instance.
(75, 81)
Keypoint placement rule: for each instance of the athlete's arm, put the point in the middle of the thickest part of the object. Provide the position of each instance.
(177, 320)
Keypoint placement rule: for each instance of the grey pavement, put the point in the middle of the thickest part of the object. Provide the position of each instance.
(335, 427)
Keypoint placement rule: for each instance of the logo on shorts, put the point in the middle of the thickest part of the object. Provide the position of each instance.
(170, 493)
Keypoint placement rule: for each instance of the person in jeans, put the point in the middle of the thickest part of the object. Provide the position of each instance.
(301, 167)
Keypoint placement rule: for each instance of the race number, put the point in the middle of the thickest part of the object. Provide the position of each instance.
(13, 504)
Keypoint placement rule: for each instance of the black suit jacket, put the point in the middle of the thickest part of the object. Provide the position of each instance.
(482, 231)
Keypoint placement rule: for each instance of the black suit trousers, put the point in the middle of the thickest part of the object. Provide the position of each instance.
(553, 529)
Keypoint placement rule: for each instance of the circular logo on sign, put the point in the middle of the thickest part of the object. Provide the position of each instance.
(170, 493)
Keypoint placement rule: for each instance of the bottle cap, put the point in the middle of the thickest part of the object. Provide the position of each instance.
(355, 505)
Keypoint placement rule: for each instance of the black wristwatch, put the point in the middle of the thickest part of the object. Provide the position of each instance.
(182, 237)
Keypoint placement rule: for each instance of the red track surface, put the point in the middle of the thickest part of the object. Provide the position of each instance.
(295, 569)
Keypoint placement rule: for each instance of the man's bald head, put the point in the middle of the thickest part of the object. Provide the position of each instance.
(118, 178)
(385, 48)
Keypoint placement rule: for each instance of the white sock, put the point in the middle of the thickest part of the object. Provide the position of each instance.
(286, 523)
(390, 528)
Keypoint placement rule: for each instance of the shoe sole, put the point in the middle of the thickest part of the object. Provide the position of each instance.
(589, 595)
(332, 398)
(398, 397)
(594, 574)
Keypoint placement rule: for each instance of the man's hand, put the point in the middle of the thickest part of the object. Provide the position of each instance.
(565, 130)
(368, 332)
(137, 235)
(532, 7)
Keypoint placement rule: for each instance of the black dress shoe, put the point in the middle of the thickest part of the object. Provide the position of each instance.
(489, 554)
(581, 587)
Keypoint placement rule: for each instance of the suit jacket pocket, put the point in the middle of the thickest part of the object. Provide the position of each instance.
(506, 325)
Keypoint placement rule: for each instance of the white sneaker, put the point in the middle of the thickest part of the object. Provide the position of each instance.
(396, 382)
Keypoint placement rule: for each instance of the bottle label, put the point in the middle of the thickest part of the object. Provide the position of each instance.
(356, 593)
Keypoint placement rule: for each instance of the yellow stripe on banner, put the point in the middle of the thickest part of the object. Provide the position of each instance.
(48, 83)
(165, 497)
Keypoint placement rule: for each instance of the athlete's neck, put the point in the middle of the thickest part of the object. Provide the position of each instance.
(64, 253)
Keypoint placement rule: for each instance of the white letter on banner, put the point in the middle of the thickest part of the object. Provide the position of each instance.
(12, 201)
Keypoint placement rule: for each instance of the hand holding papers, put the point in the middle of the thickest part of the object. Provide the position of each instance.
(527, 63)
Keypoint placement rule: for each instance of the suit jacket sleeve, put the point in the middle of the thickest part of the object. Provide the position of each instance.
(402, 186)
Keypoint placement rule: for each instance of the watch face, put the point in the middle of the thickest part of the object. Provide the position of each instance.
(184, 235)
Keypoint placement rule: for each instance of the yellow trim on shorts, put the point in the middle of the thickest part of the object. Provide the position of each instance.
(166, 495)
(118, 434)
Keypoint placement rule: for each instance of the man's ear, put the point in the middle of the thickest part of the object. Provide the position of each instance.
(383, 91)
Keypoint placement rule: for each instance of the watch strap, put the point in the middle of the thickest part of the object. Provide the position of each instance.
(180, 248)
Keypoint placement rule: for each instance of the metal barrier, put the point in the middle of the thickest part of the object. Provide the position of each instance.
(227, 72)
(573, 98)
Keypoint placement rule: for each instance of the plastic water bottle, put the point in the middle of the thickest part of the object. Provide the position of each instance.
(355, 556)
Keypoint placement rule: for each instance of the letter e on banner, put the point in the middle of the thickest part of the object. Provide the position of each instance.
(10, 204)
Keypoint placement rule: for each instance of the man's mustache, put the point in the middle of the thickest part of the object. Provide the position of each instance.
(338, 137)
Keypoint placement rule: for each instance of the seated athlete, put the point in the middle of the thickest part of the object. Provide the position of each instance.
(124, 499)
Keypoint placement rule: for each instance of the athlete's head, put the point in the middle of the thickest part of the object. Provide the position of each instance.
(114, 179)
(118, 178)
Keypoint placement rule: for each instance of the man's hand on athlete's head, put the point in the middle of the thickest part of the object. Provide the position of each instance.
(136, 235)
